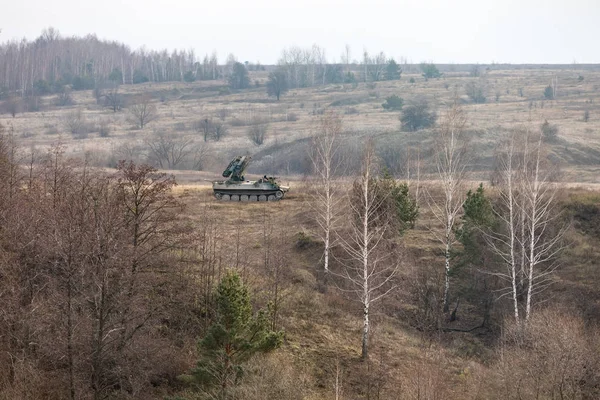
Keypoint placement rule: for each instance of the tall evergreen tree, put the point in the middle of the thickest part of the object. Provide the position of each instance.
(235, 336)
(478, 215)
(403, 207)
(239, 77)
(393, 70)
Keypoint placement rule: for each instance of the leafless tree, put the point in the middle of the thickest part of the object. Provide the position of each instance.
(347, 57)
(374, 66)
(223, 113)
(257, 133)
(369, 267)
(540, 212)
(275, 264)
(554, 86)
(303, 67)
(50, 56)
(144, 194)
(11, 156)
(201, 153)
(326, 194)
(506, 243)
(204, 127)
(219, 130)
(338, 387)
(530, 237)
(113, 99)
(451, 162)
(168, 150)
(143, 110)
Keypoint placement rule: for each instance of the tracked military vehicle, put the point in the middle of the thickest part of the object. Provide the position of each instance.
(237, 188)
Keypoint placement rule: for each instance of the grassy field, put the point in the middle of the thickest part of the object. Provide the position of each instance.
(514, 100)
(322, 323)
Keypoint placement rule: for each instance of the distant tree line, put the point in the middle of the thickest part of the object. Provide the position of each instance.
(46, 64)
(54, 64)
(309, 67)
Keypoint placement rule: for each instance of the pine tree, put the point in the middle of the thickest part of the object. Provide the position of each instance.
(393, 70)
(235, 336)
(478, 214)
(404, 208)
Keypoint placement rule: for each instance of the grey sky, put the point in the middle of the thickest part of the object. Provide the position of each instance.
(460, 31)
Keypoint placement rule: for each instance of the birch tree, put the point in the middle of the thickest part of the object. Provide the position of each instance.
(451, 162)
(368, 268)
(539, 209)
(505, 241)
(326, 164)
(530, 236)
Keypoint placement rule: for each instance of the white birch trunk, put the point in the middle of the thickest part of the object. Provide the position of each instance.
(365, 264)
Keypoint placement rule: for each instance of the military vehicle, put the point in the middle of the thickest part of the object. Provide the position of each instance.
(236, 188)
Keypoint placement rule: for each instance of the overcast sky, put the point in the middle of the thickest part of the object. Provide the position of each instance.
(442, 31)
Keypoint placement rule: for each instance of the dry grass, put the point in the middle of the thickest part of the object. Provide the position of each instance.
(323, 327)
(182, 103)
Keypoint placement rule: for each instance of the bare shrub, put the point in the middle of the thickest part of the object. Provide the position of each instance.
(258, 133)
(417, 115)
(552, 356)
(113, 99)
(223, 113)
(273, 377)
(130, 151)
(425, 290)
(103, 128)
(167, 150)
(393, 157)
(476, 90)
(74, 122)
(550, 131)
(64, 98)
(427, 379)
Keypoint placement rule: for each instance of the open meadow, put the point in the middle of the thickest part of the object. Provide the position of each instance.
(514, 99)
(146, 258)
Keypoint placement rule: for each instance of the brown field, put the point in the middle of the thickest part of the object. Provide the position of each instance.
(293, 118)
(323, 325)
